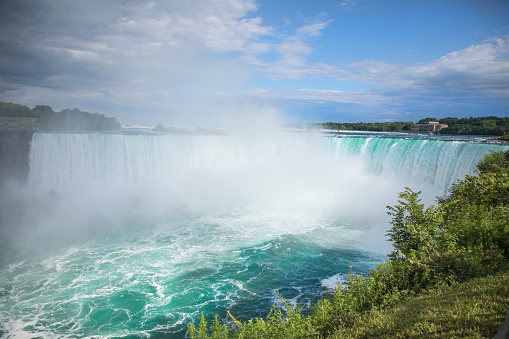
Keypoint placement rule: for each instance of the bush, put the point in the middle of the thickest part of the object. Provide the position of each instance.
(277, 325)
(477, 208)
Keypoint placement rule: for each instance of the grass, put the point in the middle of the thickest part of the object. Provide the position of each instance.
(475, 309)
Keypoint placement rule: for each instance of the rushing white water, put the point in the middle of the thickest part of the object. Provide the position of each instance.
(59, 159)
(134, 235)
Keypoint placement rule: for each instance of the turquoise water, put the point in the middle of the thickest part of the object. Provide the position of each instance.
(134, 235)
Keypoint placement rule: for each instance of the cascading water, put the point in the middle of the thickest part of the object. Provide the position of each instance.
(134, 235)
(432, 161)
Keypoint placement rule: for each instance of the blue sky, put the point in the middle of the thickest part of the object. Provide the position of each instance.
(206, 62)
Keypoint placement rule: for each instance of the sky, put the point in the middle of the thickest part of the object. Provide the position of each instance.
(220, 62)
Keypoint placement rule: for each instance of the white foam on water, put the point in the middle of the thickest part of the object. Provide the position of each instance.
(337, 280)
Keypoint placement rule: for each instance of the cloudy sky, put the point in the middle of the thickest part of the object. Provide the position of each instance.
(216, 61)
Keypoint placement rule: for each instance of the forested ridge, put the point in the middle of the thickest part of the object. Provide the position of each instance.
(43, 117)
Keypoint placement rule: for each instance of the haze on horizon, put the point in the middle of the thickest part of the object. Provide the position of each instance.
(247, 61)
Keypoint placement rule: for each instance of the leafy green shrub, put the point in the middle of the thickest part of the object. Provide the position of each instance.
(494, 162)
(431, 249)
(477, 207)
(291, 324)
(414, 229)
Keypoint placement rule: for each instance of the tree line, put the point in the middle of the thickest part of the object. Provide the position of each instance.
(490, 125)
(396, 126)
(476, 126)
(64, 120)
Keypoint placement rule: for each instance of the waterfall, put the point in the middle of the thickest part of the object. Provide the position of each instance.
(59, 159)
(436, 162)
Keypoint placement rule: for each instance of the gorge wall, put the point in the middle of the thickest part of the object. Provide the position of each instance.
(14, 154)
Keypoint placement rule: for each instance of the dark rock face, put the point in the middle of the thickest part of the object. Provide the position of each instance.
(503, 331)
(14, 154)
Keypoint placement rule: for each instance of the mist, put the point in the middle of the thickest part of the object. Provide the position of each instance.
(93, 185)
(97, 186)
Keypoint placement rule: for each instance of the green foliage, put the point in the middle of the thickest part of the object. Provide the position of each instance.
(478, 206)
(414, 228)
(43, 111)
(476, 126)
(76, 120)
(15, 110)
(291, 324)
(474, 309)
(494, 162)
(44, 117)
(490, 125)
(375, 127)
(426, 120)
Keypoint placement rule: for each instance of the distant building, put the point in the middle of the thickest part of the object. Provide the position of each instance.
(428, 127)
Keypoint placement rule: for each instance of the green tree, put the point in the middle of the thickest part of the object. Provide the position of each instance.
(426, 120)
(413, 227)
(15, 110)
(43, 111)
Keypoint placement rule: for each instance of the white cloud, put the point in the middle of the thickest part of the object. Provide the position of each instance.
(219, 26)
(479, 69)
(348, 4)
(312, 29)
(119, 32)
(125, 53)
(293, 53)
(324, 95)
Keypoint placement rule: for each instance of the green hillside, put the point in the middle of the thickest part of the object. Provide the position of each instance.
(42, 117)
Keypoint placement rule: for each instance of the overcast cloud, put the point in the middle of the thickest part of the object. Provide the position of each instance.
(207, 60)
